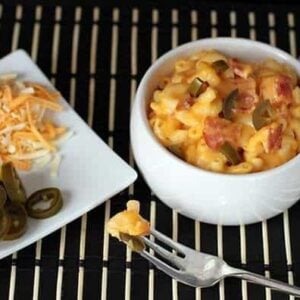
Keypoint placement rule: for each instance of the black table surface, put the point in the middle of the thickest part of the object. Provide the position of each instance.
(96, 52)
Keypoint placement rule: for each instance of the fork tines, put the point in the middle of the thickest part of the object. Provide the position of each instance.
(170, 258)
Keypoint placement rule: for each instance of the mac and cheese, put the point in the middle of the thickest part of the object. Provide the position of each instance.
(226, 115)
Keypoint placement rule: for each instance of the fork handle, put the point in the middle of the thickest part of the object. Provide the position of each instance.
(268, 282)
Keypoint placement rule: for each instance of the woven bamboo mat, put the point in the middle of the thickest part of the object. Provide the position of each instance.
(96, 52)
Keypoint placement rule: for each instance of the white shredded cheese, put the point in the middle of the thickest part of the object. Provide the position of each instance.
(41, 162)
(14, 115)
(5, 108)
(28, 90)
(26, 135)
(11, 149)
(9, 129)
(36, 145)
(20, 85)
(4, 141)
(55, 165)
(42, 113)
(8, 76)
(64, 137)
(32, 155)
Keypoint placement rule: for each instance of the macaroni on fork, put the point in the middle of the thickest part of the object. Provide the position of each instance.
(226, 115)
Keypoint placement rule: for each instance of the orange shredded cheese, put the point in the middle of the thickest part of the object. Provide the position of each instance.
(22, 164)
(36, 132)
(25, 133)
(44, 93)
(27, 97)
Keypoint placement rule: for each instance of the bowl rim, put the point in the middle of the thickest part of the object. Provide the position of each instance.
(140, 102)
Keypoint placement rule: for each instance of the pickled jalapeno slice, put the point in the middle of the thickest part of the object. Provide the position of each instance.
(4, 223)
(3, 196)
(262, 115)
(231, 153)
(13, 184)
(176, 150)
(196, 87)
(133, 242)
(220, 65)
(18, 220)
(44, 203)
(229, 103)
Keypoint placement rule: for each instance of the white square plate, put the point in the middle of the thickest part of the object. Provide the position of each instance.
(89, 173)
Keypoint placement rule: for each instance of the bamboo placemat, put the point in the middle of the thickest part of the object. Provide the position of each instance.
(95, 53)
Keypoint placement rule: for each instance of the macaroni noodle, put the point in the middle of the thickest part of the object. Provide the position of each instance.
(226, 115)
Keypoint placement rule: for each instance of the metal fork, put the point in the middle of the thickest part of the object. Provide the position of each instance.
(199, 269)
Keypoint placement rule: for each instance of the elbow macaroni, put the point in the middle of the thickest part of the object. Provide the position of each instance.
(180, 120)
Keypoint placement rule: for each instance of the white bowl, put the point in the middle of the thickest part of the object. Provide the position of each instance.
(202, 195)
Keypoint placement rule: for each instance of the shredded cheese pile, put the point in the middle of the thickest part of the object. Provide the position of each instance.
(28, 138)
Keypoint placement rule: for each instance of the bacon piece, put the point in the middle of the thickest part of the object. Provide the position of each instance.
(246, 101)
(284, 87)
(151, 114)
(186, 103)
(278, 89)
(275, 138)
(240, 69)
(216, 131)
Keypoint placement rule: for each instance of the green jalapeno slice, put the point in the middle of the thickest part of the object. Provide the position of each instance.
(3, 196)
(196, 87)
(176, 150)
(231, 153)
(18, 220)
(133, 242)
(44, 203)
(220, 65)
(4, 223)
(229, 103)
(262, 115)
(13, 184)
